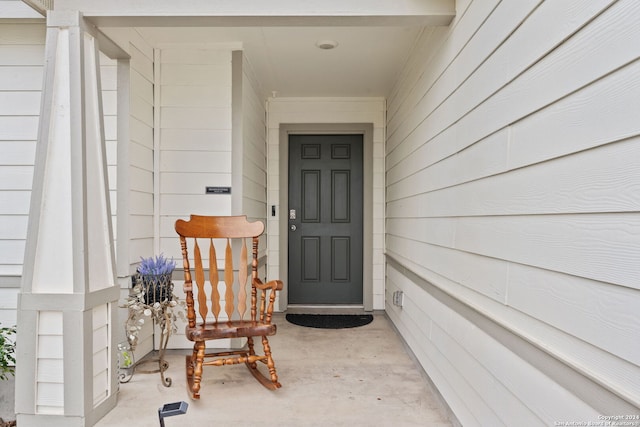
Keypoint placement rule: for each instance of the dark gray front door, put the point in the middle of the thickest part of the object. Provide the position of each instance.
(325, 219)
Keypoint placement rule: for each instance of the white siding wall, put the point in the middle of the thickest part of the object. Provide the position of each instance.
(195, 137)
(512, 185)
(250, 147)
(109, 83)
(50, 366)
(21, 67)
(140, 158)
(101, 353)
(254, 147)
(17, 9)
(136, 170)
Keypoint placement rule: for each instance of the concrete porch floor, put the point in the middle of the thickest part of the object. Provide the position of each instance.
(345, 377)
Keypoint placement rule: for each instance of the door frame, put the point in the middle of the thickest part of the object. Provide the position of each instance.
(366, 130)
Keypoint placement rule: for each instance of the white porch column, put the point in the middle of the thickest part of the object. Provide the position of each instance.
(66, 372)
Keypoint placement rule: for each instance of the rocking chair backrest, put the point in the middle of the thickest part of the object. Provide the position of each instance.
(207, 230)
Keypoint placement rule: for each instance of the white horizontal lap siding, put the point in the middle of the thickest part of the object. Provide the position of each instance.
(21, 67)
(254, 155)
(512, 176)
(464, 358)
(17, 9)
(50, 370)
(101, 353)
(137, 170)
(109, 86)
(195, 137)
(8, 305)
(254, 159)
(140, 168)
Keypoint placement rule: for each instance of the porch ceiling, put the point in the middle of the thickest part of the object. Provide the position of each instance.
(279, 37)
(287, 61)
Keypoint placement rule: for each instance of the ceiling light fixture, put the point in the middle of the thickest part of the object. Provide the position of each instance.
(326, 44)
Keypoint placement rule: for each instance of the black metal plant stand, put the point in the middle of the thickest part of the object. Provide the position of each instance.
(162, 319)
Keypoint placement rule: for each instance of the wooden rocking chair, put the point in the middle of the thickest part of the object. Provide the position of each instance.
(232, 232)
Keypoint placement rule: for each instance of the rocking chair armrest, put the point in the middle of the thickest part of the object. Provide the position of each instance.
(275, 285)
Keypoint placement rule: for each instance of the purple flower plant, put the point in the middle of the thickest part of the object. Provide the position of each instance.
(156, 265)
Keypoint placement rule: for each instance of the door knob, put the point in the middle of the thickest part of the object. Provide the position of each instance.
(293, 227)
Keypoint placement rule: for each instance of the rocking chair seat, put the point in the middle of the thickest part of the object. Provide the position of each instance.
(231, 329)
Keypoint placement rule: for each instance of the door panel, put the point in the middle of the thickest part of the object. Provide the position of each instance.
(325, 219)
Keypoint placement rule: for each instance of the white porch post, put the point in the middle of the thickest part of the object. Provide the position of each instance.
(66, 372)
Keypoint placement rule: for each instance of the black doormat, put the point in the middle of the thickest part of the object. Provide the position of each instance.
(330, 321)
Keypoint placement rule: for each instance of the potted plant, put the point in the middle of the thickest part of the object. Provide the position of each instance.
(155, 274)
(151, 297)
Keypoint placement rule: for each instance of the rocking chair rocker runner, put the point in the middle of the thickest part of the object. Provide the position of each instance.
(227, 232)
